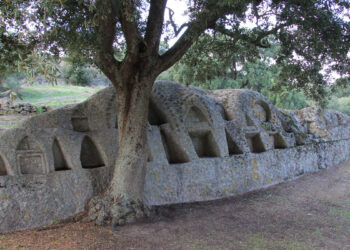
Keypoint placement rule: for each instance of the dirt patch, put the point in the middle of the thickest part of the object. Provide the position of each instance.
(312, 212)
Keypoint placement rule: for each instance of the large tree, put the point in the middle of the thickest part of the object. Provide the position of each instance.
(122, 37)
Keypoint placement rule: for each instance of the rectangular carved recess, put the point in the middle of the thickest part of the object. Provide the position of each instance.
(174, 152)
(204, 144)
(31, 162)
(80, 123)
(30, 157)
(255, 144)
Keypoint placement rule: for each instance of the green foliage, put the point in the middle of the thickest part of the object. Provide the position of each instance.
(209, 65)
(304, 38)
(341, 104)
(11, 86)
(76, 74)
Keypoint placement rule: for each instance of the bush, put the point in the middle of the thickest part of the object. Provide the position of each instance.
(76, 74)
(341, 104)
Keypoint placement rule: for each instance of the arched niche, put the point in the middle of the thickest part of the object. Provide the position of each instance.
(201, 134)
(3, 170)
(249, 121)
(262, 111)
(28, 143)
(195, 115)
(30, 156)
(90, 156)
(60, 162)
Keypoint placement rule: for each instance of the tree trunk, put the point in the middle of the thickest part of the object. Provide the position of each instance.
(122, 202)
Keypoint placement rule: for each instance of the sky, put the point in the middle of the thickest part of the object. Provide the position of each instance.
(179, 7)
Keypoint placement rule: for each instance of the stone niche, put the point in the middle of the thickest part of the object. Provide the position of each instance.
(200, 132)
(155, 115)
(204, 144)
(3, 170)
(80, 121)
(278, 141)
(30, 157)
(60, 162)
(255, 143)
(195, 115)
(262, 111)
(233, 148)
(173, 150)
(90, 156)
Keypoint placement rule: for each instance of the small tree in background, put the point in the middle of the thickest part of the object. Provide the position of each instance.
(311, 34)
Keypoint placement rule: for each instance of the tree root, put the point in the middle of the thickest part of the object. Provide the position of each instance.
(116, 210)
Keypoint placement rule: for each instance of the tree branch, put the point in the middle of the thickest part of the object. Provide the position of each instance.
(155, 25)
(106, 25)
(205, 19)
(131, 32)
(257, 41)
(173, 24)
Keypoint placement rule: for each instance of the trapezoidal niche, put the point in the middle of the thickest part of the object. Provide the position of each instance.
(80, 121)
(3, 170)
(60, 162)
(173, 151)
(233, 148)
(279, 142)
(255, 143)
(90, 156)
(204, 144)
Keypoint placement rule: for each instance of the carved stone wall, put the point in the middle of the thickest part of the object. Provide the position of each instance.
(201, 146)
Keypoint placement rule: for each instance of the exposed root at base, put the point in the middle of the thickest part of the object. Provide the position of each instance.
(116, 210)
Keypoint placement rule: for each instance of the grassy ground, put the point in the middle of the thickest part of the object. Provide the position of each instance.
(312, 212)
(55, 95)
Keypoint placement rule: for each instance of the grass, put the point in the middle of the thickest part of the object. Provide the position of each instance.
(343, 214)
(55, 95)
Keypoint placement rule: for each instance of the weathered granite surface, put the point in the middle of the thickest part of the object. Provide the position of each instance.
(202, 146)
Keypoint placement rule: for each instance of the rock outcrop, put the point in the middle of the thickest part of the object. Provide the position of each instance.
(202, 146)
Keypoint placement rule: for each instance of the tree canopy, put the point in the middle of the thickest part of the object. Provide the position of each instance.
(313, 35)
(123, 37)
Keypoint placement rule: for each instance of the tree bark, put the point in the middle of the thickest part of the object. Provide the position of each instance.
(123, 201)
(133, 78)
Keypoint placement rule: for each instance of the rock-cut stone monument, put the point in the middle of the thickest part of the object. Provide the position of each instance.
(202, 146)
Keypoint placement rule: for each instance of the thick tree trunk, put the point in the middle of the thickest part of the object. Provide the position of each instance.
(123, 200)
(132, 128)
